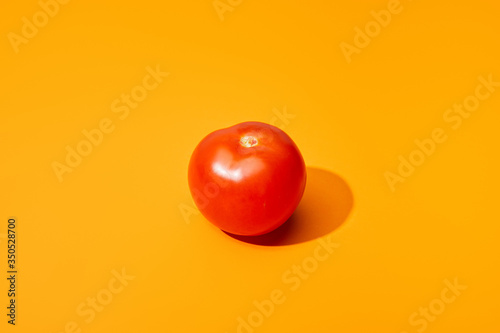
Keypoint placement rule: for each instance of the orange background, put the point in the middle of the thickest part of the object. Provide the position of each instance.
(122, 205)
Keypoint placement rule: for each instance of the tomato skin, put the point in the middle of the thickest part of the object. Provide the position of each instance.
(247, 179)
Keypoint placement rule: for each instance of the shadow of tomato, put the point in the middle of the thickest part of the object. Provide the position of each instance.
(325, 206)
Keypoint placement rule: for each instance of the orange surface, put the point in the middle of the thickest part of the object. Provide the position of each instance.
(388, 101)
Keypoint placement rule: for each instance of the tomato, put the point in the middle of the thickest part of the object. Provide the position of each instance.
(247, 179)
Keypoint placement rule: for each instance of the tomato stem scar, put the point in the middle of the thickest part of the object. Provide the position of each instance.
(248, 141)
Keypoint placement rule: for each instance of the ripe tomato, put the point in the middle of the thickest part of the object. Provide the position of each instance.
(247, 179)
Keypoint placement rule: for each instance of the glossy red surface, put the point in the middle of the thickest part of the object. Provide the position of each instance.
(247, 179)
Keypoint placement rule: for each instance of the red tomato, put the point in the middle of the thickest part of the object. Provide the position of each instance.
(247, 179)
